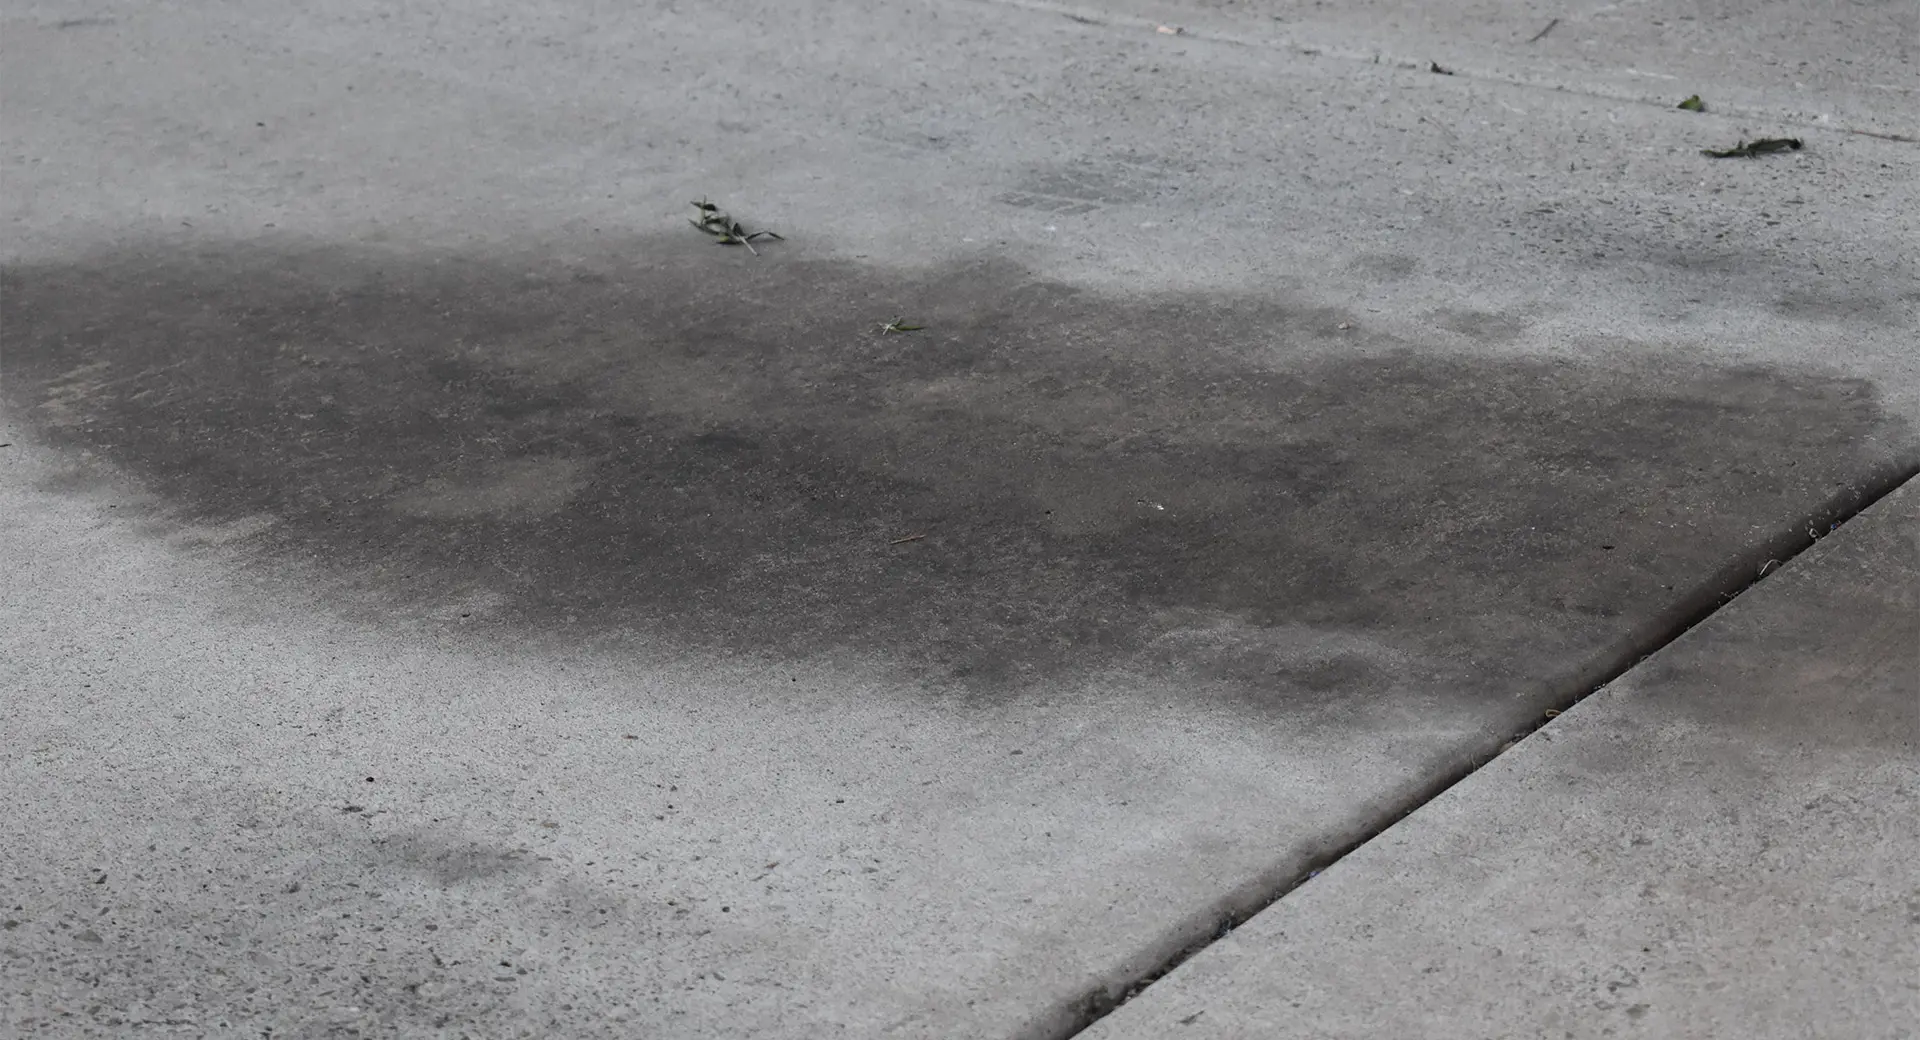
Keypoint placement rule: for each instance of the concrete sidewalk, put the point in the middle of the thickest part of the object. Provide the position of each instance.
(1719, 844)
(444, 593)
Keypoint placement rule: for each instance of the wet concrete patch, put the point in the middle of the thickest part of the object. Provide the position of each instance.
(694, 444)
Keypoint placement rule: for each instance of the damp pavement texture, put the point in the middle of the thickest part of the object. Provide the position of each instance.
(1720, 843)
(448, 595)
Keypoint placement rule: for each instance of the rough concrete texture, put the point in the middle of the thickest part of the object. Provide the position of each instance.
(1719, 844)
(1286, 433)
(1844, 66)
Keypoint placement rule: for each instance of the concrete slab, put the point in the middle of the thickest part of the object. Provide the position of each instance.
(1284, 435)
(1719, 844)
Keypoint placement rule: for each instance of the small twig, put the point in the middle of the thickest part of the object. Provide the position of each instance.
(909, 538)
(1902, 138)
(1542, 34)
(1442, 127)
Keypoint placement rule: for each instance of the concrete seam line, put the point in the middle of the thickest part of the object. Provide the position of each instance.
(1749, 568)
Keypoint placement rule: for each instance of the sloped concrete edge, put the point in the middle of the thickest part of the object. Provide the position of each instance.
(1716, 845)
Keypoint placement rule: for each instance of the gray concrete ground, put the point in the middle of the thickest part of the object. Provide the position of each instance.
(1719, 844)
(445, 594)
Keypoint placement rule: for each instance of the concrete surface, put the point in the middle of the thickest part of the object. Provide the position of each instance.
(1719, 844)
(1847, 66)
(1289, 431)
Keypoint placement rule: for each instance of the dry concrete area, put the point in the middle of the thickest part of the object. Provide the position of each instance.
(446, 594)
(1718, 844)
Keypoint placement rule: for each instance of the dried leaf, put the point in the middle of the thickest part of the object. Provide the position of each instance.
(725, 230)
(1753, 149)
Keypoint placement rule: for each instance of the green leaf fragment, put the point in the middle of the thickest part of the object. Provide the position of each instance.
(1693, 104)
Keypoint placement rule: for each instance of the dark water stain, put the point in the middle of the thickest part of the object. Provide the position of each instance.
(1482, 326)
(1694, 260)
(448, 860)
(1843, 306)
(82, 23)
(1384, 267)
(692, 443)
